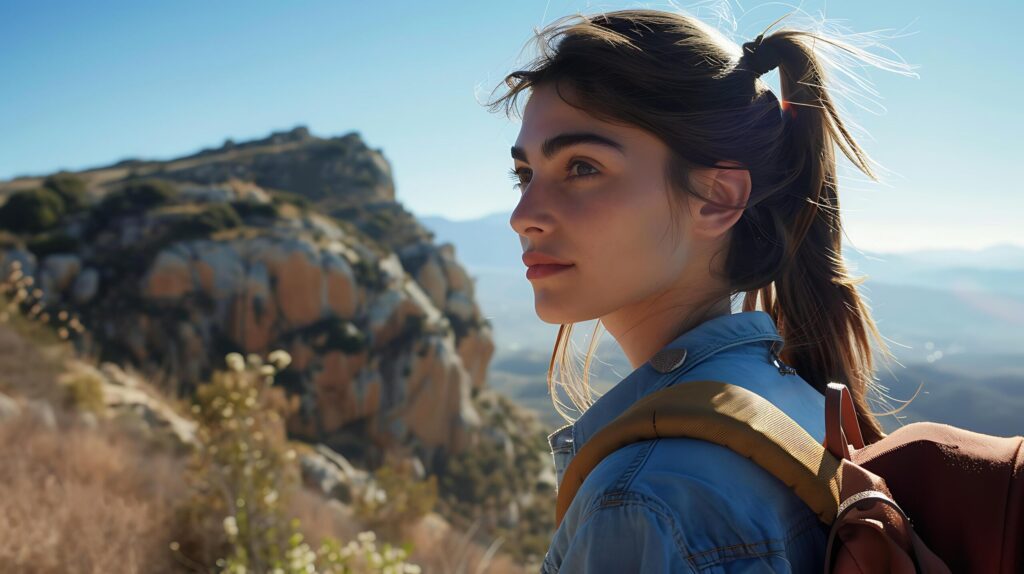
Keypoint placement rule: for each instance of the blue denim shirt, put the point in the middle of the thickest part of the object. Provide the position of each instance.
(687, 505)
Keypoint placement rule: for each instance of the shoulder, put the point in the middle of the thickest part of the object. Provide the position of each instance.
(622, 531)
(684, 470)
(704, 502)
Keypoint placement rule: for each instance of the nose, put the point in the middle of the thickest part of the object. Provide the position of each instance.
(530, 215)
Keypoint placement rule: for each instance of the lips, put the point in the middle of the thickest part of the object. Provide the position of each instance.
(541, 270)
(542, 265)
(531, 258)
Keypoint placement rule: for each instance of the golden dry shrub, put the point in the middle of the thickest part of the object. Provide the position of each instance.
(78, 499)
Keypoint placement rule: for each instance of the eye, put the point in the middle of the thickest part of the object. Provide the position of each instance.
(576, 162)
(521, 175)
(517, 175)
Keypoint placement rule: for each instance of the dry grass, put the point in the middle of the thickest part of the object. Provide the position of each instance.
(30, 360)
(321, 518)
(438, 547)
(101, 500)
(82, 500)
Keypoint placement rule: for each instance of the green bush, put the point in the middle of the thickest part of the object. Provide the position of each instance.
(54, 241)
(83, 391)
(32, 211)
(250, 209)
(138, 196)
(332, 334)
(368, 274)
(397, 497)
(243, 473)
(278, 197)
(242, 467)
(212, 218)
(70, 187)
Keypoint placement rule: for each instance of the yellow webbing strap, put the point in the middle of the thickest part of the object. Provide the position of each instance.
(724, 414)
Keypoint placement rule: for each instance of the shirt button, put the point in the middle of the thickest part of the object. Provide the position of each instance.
(668, 360)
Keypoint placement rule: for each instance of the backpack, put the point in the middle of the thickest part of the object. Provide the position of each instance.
(927, 498)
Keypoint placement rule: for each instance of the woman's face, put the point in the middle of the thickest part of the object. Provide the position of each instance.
(601, 205)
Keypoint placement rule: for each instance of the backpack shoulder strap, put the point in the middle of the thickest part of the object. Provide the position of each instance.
(842, 429)
(727, 415)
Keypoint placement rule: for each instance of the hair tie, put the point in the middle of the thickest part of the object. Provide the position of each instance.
(759, 57)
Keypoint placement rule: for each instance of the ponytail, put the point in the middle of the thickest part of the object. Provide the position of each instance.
(825, 322)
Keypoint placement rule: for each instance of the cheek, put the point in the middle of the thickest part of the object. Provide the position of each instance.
(637, 249)
(628, 249)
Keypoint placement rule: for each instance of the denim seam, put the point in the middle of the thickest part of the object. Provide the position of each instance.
(627, 476)
(547, 565)
(713, 348)
(802, 526)
(621, 498)
(731, 552)
(722, 554)
(697, 560)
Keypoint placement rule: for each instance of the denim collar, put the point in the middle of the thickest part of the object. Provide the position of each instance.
(701, 342)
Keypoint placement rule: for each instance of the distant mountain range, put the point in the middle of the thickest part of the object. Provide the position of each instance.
(953, 318)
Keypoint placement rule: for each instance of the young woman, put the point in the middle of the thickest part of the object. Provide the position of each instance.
(660, 177)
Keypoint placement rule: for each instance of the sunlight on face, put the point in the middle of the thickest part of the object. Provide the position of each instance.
(603, 207)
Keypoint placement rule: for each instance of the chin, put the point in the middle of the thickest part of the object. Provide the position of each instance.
(557, 314)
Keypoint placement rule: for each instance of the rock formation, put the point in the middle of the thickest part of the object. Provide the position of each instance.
(292, 242)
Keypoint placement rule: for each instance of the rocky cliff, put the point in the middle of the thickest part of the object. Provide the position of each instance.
(293, 242)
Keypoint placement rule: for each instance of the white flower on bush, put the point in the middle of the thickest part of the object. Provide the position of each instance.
(374, 495)
(302, 558)
(280, 359)
(235, 362)
(270, 497)
(231, 526)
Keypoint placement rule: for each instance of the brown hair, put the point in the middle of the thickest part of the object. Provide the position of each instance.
(675, 77)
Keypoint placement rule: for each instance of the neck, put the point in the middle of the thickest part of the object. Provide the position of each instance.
(644, 328)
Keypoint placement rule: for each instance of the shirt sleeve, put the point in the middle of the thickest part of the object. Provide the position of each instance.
(626, 535)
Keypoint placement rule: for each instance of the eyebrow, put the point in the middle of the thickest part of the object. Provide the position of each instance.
(562, 141)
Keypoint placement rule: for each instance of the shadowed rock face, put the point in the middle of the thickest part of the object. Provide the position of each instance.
(291, 242)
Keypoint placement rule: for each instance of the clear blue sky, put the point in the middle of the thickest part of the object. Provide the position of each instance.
(90, 83)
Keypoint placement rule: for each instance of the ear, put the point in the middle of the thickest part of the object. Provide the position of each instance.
(727, 186)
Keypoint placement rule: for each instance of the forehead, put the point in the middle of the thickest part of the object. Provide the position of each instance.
(546, 114)
(545, 106)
